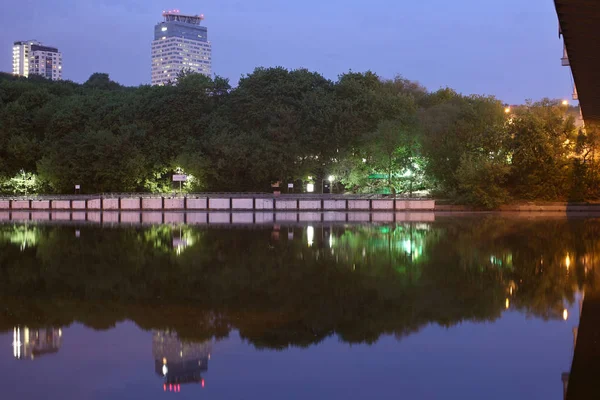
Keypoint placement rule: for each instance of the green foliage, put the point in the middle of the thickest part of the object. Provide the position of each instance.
(373, 135)
(543, 139)
(481, 181)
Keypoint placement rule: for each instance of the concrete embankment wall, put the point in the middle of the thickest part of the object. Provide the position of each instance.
(223, 203)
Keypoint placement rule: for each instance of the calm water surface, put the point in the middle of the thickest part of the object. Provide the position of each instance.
(461, 308)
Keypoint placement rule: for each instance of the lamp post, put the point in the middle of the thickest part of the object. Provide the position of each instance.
(409, 174)
(331, 179)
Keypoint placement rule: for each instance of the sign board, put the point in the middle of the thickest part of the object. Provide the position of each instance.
(77, 187)
(179, 178)
(290, 185)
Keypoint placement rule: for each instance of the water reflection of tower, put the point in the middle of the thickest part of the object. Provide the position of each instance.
(31, 343)
(177, 361)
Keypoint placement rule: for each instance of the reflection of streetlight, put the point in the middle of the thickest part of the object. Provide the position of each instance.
(568, 261)
(507, 303)
(310, 235)
(565, 314)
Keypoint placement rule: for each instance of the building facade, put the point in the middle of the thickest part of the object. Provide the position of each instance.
(31, 57)
(180, 43)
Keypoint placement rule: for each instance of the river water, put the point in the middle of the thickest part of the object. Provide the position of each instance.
(463, 307)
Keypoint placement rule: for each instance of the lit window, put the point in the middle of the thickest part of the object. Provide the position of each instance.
(164, 28)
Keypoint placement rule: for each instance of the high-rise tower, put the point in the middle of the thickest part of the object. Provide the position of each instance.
(31, 57)
(180, 43)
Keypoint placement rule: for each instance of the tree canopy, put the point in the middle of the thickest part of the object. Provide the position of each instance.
(370, 134)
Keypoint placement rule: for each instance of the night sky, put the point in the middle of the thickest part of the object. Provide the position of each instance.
(507, 48)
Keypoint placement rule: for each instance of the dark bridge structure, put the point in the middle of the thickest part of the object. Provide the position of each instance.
(580, 28)
(584, 378)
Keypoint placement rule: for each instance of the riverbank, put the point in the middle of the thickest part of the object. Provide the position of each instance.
(215, 202)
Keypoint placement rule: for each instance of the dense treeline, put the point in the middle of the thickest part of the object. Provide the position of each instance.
(280, 125)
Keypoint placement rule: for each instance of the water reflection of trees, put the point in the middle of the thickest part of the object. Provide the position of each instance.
(358, 282)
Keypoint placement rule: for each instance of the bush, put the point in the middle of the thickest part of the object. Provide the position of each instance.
(481, 181)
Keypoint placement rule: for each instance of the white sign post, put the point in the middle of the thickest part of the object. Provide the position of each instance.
(179, 178)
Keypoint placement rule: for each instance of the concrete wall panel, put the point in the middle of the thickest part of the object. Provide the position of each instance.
(20, 205)
(264, 204)
(242, 204)
(4, 204)
(78, 204)
(382, 205)
(174, 204)
(218, 204)
(286, 204)
(94, 204)
(310, 204)
(61, 204)
(130, 204)
(152, 203)
(335, 204)
(111, 204)
(196, 204)
(358, 204)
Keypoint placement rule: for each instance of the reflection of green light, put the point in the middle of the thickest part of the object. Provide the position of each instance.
(384, 229)
(22, 236)
(407, 246)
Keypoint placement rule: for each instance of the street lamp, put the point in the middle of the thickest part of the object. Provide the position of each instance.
(507, 110)
(565, 102)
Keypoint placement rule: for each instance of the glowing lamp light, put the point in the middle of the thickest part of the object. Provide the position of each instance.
(565, 102)
(202, 382)
(310, 187)
(507, 303)
(331, 178)
(565, 314)
(165, 370)
(568, 261)
(507, 110)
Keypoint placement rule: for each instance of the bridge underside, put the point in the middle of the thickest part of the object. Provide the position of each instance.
(585, 370)
(580, 26)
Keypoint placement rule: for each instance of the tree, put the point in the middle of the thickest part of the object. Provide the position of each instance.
(543, 140)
